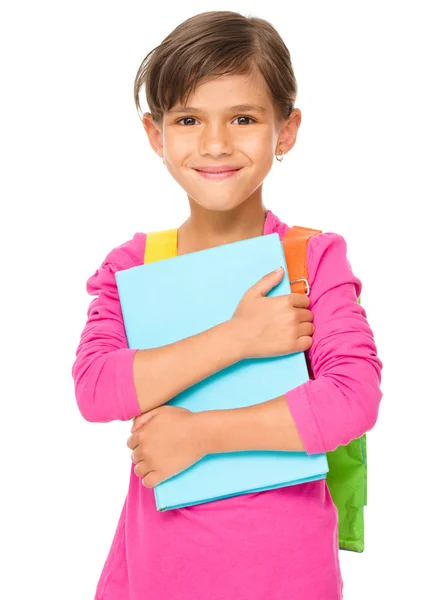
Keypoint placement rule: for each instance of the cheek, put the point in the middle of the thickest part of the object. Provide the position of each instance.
(177, 149)
(260, 154)
(256, 148)
(258, 143)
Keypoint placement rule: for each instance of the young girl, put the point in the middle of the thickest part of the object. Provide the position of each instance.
(221, 92)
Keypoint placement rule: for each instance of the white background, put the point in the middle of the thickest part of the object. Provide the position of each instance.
(79, 178)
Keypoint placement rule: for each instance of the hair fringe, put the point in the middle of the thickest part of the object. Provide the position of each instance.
(209, 45)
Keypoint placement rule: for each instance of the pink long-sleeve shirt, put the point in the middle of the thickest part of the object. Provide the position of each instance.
(278, 544)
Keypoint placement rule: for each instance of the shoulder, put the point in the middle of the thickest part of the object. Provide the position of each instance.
(128, 254)
(322, 245)
(328, 263)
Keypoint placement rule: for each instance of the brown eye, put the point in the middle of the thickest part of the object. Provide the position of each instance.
(186, 119)
(249, 118)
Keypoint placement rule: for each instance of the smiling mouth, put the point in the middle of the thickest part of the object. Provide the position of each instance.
(218, 176)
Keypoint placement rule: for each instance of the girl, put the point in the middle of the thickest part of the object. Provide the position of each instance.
(221, 92)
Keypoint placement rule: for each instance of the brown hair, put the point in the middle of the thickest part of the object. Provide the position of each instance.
(212, 44)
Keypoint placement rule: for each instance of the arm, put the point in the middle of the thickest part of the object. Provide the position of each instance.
(103, 366)
(342, 402)
(115, 382)
(162, 373)
(265, 426)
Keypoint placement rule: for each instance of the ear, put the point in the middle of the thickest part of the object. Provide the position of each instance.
(154, 133)
(288, 131)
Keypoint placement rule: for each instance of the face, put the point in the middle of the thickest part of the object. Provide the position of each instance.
(214, 134)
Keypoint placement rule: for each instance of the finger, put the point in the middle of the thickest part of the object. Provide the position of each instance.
(141, 469)
(136, 456)
(133, 442)
(143, 419)
(135, 425)
(306, 329)
(267, 282)
(299, 300)
(304, 342)
(304, 314)
(151, 479)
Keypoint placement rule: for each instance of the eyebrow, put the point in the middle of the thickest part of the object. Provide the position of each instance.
(238, 107)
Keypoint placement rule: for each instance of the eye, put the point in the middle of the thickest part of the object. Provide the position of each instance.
(193, 119)
(186, 119)
(243, 117)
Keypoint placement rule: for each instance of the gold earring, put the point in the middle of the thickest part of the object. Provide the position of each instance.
(163, 159)
(282, 156)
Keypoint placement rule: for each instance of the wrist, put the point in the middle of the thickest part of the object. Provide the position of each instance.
(205, 424)
(227, 430)
(236, 338)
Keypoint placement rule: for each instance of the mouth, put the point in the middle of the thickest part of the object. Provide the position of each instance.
(218, 176)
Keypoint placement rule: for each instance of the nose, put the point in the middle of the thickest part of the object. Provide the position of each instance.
(215, 140)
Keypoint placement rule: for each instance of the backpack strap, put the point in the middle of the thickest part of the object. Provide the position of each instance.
(295, 244)
(160, 245)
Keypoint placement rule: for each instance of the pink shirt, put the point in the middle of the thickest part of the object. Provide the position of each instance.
(275, 545)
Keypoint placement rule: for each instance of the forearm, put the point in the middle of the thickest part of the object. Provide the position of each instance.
(265, 426)
(161, 373)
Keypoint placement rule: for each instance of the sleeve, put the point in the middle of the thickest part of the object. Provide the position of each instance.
(342, 402)
(103, 368)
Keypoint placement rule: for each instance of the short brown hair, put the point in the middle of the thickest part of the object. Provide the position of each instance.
(212, 44)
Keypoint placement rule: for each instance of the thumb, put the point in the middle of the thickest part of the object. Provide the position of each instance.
(268, 281)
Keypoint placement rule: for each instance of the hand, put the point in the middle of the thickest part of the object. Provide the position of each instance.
(274, 325)
(165, 441)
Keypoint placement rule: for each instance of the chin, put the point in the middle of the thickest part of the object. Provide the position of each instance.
(218, 206)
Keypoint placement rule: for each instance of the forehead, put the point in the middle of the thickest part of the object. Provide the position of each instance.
(228, 92)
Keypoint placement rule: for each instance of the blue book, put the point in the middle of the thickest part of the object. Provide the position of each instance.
(165, 301)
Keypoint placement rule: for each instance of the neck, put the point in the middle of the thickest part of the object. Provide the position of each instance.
(208, 228)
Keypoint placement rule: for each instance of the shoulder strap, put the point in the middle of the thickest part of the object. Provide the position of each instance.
(295, 244)
(160, 245)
